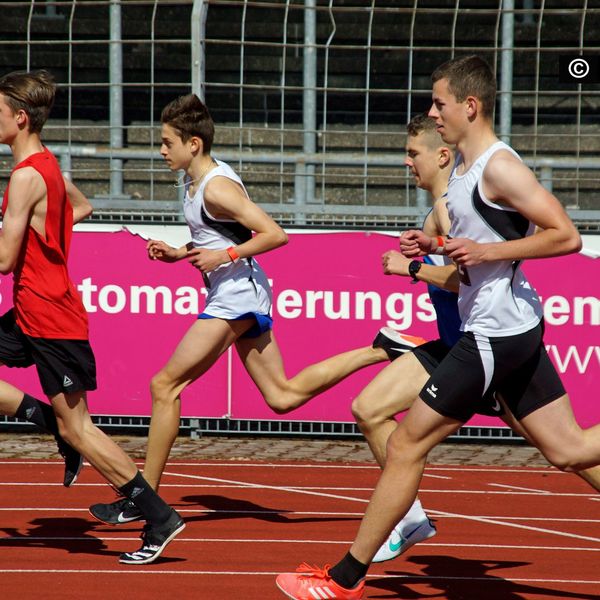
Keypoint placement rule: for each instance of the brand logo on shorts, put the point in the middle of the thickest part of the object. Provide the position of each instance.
(30, 412)
(431, 390)
(497, 408)
(67, 381)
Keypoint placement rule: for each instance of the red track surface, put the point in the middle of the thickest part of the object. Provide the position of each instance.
(503, 533)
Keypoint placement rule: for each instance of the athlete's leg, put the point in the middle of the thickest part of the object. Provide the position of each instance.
(263, 361)
(15, 403)
(77, 428)
(391, 392)
(555, 432)
(10, 398)
(199, 348)
(420, 431)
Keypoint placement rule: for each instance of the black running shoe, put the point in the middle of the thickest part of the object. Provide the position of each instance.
(73, 461)
(154, 540)
(117, 512)
(395, 343)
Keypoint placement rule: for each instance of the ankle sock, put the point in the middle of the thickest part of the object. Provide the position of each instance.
(348, 572)
(152, 506)
(39, 413)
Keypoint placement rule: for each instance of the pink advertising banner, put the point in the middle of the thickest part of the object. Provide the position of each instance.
(330, 295)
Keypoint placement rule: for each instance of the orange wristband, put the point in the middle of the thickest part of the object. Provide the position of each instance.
(233, 255)
(440, 245)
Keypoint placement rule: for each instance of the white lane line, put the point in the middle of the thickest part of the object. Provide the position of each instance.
(289, 513)
(325, 465)
(500, 521)
(236, 485)
(26, 539)
(415, 577)
(365, 501)
(521, 489)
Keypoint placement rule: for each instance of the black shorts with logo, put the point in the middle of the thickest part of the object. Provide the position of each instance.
(466, 378)
(63, 366)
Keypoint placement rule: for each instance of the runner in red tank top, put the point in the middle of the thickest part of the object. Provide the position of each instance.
(46, 302)
(48, 325)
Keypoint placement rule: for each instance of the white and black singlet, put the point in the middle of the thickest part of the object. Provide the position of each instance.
(234, 289)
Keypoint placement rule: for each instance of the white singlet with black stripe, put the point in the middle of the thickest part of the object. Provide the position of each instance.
(495, 298)
(235, 288)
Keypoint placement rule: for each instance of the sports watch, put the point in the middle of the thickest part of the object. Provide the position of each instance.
(413, 268)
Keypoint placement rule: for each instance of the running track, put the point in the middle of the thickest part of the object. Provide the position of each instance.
(503, 533)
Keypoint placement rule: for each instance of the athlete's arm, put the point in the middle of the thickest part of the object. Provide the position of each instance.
(159, 250)
(440, 219)
(80, 204)
(507, 181)
(224, 199)
(26, 189)
(445, 277)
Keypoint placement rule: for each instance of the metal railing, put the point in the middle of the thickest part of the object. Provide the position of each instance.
(337, 79)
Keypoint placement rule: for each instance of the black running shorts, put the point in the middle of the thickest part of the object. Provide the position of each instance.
(431, 354)
(465, 380)
(63, 366)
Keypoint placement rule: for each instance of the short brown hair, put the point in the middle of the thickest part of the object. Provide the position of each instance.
(424, 124)
(469, 76)
(189, 116)
(419, 123)
(32, 92)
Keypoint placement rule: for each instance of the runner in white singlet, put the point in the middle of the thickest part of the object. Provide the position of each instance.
(227, 232)
(491, 354)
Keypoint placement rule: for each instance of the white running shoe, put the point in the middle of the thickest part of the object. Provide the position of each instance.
(399, 543)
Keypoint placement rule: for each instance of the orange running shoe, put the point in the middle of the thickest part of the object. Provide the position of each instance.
(312, 583)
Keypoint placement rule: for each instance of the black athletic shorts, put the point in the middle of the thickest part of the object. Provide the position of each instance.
(431, 354)
(63, 366)
(466, 378)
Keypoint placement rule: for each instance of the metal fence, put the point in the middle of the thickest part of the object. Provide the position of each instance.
(310, 97)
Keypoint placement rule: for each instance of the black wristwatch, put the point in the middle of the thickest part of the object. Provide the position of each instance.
(413, 268)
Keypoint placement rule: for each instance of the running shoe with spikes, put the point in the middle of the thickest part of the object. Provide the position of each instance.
(154, 540)
(73, 461)
(310, 583)
(118, 512)
(402, 538)
(395, 343)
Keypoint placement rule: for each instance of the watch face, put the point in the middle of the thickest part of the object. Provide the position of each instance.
(413, 268)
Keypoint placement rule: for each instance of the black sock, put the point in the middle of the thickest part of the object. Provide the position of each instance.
(153, 507)
(37, 412)
(348, 572)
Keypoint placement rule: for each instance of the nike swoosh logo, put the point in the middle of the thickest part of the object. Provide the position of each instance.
(122, 519)
(403, 539)
(496, 407)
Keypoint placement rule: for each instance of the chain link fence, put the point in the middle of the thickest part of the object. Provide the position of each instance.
(310, 97)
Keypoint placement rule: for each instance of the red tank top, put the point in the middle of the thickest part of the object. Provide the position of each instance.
(46, 303)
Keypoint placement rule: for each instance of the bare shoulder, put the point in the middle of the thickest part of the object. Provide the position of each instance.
(503, 164)
(222, 187)
(506, 178)
(28, 184)
(224, 198)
